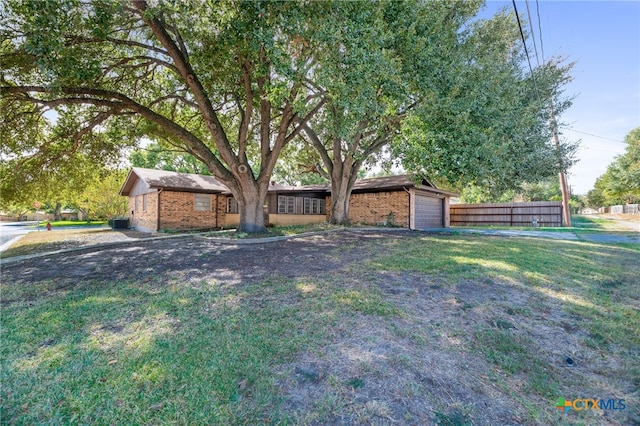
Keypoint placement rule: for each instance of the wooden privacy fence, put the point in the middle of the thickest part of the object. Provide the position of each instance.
(545, 213)
(626, 209)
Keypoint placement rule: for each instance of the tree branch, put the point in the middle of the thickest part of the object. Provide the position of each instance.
(189, 76)
(305, 120)
(319, 146)
(148, 60)
(130, 43)
(115, 99)
(248, 113)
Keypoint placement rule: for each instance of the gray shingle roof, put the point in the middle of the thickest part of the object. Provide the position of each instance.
(162, 179)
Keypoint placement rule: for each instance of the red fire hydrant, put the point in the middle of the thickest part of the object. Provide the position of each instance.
(48, 226)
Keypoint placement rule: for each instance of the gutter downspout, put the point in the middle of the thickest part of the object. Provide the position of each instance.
(216, 217)
(409, 217)
(158, 215)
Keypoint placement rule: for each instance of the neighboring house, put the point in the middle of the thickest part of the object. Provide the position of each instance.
(161, 200)
(71, 214)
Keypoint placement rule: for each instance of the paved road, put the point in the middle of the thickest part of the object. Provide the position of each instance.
(9, 231)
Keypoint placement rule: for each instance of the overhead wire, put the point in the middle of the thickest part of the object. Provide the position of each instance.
(540, 30)
(533, 33)
(526, 51)
(562, 173)
(595, 136)
(544, 60)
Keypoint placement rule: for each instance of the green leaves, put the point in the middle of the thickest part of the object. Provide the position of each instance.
(482, 120)
(620, 184)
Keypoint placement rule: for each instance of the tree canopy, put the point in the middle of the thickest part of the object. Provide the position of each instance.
(446, 93)
(227, 84)
(156, 156)
(620, 184)
(233, 85)
(488, 123)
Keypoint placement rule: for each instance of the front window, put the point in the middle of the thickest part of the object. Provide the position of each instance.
(300, 205)
(232, 205)
(203, 202)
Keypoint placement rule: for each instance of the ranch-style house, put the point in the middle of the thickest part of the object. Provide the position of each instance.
(163, 200)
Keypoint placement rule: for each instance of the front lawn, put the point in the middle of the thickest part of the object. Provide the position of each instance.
(67, 223)
(343, 328)
(46, 241)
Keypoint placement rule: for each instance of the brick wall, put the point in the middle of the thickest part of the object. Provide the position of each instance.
(222, 210)
(177, 211)
(141, 218)
(374, 208)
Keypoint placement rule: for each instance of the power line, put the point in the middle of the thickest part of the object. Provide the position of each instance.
(595, 136)
(533, 33)
(566, 214)
(526, 51)
(543, 61)
(540, 30)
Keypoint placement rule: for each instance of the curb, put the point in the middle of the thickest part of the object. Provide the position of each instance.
(8, 244)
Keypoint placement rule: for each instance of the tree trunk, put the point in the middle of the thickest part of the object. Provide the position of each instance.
(250, 197)
(56, 213)
(340, 193)
(342, 180)
(251, 216)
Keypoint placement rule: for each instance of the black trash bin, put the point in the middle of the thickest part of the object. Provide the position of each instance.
(120, 224)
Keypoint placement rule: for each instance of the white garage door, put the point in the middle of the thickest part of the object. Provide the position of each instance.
(428, 213)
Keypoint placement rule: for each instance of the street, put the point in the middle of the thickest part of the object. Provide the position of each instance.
(12, 230)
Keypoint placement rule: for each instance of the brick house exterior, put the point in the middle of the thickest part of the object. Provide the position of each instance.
(161, 200)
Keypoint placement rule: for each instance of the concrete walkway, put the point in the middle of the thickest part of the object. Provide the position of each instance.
(599, 237)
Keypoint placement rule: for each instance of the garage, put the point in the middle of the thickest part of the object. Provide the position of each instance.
(428, 211)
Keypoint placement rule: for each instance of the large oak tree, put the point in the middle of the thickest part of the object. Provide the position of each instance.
(444, 91)
(235, 84)
(227, 84)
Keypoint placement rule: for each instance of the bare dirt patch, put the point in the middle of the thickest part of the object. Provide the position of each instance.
(63, 239)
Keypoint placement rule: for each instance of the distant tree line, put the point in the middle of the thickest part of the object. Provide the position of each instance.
(620, 184)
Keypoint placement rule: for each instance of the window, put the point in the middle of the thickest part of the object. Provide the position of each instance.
(232, 205)
(282, 204)
(291, 205)
(144, 202)
(315, 206)
(300, 205)
(202, 202)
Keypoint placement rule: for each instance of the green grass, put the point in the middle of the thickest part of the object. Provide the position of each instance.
(63, 223)
(594, 283)
(189, 354)
(579, 224)
(163, 350)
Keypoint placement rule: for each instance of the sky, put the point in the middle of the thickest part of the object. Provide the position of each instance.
(603, 39)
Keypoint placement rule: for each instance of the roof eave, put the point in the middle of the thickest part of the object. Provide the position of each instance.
(126, 183)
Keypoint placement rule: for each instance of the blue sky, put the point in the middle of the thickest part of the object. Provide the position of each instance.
(603, 38)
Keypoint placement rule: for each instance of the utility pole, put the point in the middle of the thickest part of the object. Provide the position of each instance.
(562, 177)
